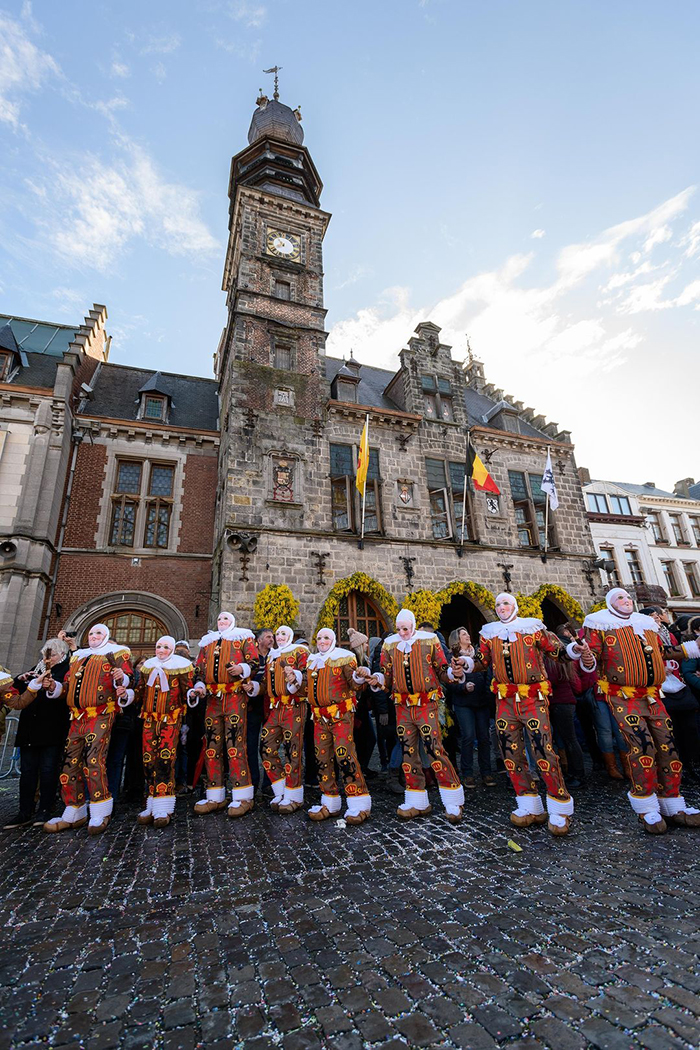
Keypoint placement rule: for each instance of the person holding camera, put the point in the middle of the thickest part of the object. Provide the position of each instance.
(41, 732)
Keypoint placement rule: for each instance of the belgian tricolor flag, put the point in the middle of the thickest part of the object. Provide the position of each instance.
(475, 469)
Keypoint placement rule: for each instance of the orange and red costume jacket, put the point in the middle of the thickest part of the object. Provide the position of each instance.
(518, 665)
(628, 664)
(88, 686)
(331, 689)
(275, 684)
(157, 706)
(414, 678)
(213, 660)
(8, 693)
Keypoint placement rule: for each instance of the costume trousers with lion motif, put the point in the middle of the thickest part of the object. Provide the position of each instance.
(653, 756)
(160, 742)
(334, 744)
(85, 760)
(284, 729)
(516, 716)
(421, 725)
(225, 733)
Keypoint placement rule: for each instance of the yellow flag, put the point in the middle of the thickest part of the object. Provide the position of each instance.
(363, 459)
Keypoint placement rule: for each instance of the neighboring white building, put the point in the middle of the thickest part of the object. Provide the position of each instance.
(652, 536)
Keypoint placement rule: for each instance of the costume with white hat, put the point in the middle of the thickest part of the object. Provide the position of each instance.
(631, 675)
(226, 718)
(515, 647)
(414, 669)
(162, 692)
(91, 695)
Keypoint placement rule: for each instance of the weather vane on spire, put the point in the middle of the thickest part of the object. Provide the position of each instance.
(275, 70)
(470, 352)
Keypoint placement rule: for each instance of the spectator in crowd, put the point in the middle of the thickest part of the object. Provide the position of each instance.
(41, 733)
(608, 737)
(473, 705)
(257, 713)
(568, 683)
(125, 746)
(364, 734)
(385, 715)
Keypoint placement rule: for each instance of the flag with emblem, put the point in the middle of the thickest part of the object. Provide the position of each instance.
(548, 483)
(363, 459)
(475, 469)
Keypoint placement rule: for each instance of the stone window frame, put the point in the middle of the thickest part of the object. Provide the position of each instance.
(690, 568)
(283, 339)
(670, 576)
(453, 496)
(431, 388)
(353, 500)
(153, 397)
(121, 450)
(271, 454)
(529, 505)
(634, 565)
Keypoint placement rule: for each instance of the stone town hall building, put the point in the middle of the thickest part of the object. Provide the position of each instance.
(148, 500)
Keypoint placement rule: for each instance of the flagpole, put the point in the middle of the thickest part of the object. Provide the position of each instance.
(460, 551)
(546, 520)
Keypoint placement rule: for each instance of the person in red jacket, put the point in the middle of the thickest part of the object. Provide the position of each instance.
(568, 681)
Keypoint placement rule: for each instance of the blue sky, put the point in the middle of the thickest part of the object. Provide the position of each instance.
(520, 171)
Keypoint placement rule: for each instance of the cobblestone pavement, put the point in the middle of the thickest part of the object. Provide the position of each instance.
(275, 932)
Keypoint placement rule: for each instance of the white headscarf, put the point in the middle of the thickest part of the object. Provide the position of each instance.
(158, 667)
(404, 645)
(317, 660)
(287, 646)
(609, 619)
(231, 634)
(107, 646)
(508, 630)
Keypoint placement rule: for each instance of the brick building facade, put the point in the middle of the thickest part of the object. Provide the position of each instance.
(149, 500)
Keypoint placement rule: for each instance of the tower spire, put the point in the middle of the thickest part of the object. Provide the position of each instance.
(275, 70)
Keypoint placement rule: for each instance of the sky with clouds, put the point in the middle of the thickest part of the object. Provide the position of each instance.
(521, 172)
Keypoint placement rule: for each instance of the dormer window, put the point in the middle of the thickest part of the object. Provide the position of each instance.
(347, 391)
(437, 398)
(7, 362)
(154, 407)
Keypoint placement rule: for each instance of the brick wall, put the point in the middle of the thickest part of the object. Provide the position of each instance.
(84, 505)
(198, 505)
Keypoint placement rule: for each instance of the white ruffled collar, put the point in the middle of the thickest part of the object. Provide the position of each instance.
(605, 620)
(101, 650)
(317, 660)
(509, 631)
(173, 663)
(231, 634)
(404, 645)
(274, 653)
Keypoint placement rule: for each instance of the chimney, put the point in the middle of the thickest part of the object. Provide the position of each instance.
(584, 475)
(682, 488)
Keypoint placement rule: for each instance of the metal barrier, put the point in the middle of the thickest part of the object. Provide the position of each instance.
(9, 759)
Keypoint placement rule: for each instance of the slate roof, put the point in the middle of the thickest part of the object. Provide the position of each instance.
(644, 490)
(40, 337)
(373, 382)
(694, 491)
(116, 395)
(7, 339)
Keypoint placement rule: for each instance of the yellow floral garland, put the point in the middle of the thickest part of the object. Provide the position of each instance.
(475, 591)
(274, 605)
(570, 606)
(598, 606)
(359, 581)
(425, 605)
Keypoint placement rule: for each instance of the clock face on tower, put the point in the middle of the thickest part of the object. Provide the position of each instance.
(284, 245)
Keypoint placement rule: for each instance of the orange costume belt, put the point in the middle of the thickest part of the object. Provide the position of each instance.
(285, 700)
(76, 713)
(167, 716)
(652, 693)
(417, 699)
(223, 689)
(334, 711)
(526, 691)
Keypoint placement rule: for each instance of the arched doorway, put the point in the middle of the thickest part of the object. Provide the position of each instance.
(461, 612)
(358, 611)
(135, 629)
(552, 615)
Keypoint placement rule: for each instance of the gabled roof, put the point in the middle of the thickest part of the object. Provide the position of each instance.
(40, 337)
(7, 339)
(117, 389)
(156, 384)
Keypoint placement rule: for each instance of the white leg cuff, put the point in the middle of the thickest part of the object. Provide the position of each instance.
(71, 814)
(293, 795)
(100, 810)
(415, 800)
(331, 802)
(670, 806)
(359, 804)
(239, 795)
(647, 807)
(277, 789)
(163, 806)
(528, 805)
(452, 799)
(147, 812)
(558, 811)
(216, 794)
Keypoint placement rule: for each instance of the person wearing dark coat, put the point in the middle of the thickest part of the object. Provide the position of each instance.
(41, 733)
(473, 706)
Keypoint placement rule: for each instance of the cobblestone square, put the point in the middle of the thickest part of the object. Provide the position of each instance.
(273, 931)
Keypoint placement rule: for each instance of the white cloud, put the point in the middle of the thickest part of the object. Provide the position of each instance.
(92, 210)
(252, 15)
(23, 68)
(159, 72)
(120, 69)
(157, 44)
(537, 235)
(692, 240)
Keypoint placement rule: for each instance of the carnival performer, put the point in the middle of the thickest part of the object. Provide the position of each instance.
(331, 681)
(90, 688)
(164, 682)
(413, 667)
(626, 648)
(284, 727)
(514, 647)
(228, 657)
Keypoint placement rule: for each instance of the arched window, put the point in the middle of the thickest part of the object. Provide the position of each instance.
(137, 630)
(358, 611)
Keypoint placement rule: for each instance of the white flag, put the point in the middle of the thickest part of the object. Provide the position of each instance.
(548, 484)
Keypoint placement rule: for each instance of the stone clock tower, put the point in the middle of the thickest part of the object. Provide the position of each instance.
(270, 361)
